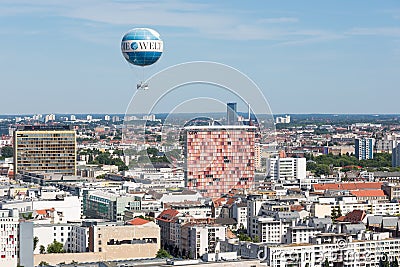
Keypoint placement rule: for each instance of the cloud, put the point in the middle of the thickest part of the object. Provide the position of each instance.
(279, 20)
(206, 19)
(310, 37)
(377, 31)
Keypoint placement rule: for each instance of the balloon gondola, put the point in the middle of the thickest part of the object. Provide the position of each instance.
(142, 47)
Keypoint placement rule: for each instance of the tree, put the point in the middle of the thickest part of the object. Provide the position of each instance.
(384, 263)
(27, 216)
(244, 237)
(162, 254)
(7, 151)
(395, 263)
(55, 247)
(338, 212)
(334, 214)
(42, 249)
(326, 263)
(256, 239)
(43, 263)
(35, 242)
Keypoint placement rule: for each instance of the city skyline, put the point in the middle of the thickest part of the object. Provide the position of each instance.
(315, 58)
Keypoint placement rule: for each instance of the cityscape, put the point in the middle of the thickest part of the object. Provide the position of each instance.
(182, 160)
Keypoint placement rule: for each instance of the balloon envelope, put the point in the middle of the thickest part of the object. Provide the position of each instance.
(142, 46)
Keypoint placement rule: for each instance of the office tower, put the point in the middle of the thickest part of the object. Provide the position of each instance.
(231, 113)
(9, 237)
(364, 148)
(219, 158)
(45, 148)
(396, 156)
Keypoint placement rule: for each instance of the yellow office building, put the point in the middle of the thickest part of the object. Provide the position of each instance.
(45, 148)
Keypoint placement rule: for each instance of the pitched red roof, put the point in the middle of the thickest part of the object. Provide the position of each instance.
(355, 216)
(44, 211)
(167, 215)
(368, 193)
(41, 212)
(296, 208)
(348, 186)
(219, 201)
(138, 221)
(230, 201)
(341, 219)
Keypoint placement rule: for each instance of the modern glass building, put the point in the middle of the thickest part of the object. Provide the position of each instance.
(45, 148)
(231, 113)
(109, 206)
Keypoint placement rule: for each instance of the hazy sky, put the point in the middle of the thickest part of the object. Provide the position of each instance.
(306, 56)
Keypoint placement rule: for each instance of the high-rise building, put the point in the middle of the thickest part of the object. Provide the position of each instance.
(219, 158)
(231, 113)
(50, 117)
(287, 168)
(285, 119)
(45, 148)
(9, 237)
(396, 156)
(364, 148)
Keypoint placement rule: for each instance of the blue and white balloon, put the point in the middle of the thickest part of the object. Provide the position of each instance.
(142, 46)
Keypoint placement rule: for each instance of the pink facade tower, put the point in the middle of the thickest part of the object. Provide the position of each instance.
(219, 158)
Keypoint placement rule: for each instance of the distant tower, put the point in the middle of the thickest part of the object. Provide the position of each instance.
(364, 148)
(396, 156)
(231, 113)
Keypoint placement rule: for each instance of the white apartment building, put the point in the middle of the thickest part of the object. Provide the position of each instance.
(375, 208)
(47, 233)
(9, 237)
(196, 209)
(239, 213)
(300, 234)
(253, 209)
(269, 230)
(73, 236)
(339, 250)
(70, 206)
(287, 168)
(206, 239)
(79, 238)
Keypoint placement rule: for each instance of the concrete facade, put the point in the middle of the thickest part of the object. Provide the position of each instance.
(9, 237)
